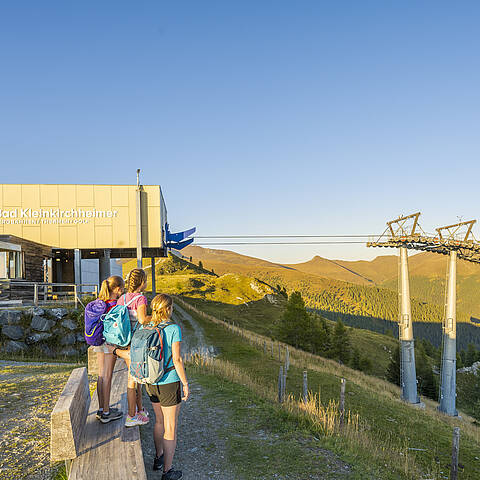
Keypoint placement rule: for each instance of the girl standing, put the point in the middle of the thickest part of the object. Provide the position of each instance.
(137, 308)
(110, 290)
(166, 394)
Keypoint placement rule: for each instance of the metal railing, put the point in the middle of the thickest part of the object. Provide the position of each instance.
(43, 293)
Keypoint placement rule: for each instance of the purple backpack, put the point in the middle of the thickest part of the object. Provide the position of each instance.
(94, 312)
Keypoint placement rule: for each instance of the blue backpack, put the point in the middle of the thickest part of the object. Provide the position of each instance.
(116, 325)
(147, 360)
(94, 312)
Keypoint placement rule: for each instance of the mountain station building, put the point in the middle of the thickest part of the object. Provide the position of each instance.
(48, 232)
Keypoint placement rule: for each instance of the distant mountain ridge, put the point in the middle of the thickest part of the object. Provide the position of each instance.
(362, 292)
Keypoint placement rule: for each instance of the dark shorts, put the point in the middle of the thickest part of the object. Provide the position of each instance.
(166, 395)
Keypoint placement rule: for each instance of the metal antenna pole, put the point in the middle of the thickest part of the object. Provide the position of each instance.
(405, 329)
(449, 354)
(139, 220)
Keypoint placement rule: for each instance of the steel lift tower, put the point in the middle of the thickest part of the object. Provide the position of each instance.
(408, 376)
(450, 241)
(447, 396)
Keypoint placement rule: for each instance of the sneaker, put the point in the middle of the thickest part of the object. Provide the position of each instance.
(113, 414)
(172, 475)
(142, 418)
(158, 462)
(98, 414)
(143, 412)
(132, 421)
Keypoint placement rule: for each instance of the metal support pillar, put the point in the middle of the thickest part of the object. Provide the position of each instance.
(154, 288)
(449, 353)
(408, 377)
(77, 266)
(104, 266)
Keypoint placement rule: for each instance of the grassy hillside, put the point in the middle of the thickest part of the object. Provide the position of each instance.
(359, 302)
(393, 440)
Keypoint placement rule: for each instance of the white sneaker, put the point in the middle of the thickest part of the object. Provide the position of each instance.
(132, 421)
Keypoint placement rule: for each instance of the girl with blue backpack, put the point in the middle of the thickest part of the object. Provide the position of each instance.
(111, 289)
(136, 302)
(166, 392)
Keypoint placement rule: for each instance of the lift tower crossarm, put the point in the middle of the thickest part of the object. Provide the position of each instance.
(456, 227)
(400, 224)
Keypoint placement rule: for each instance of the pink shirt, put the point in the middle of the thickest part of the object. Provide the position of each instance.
(133, 307)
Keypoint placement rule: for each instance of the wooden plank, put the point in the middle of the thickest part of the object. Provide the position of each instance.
(110, 451)
(68, 417)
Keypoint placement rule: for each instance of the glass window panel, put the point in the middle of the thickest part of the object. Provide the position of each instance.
(3, 265)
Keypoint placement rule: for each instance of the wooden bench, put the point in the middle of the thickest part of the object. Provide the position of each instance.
(69, 416)
(108, 451)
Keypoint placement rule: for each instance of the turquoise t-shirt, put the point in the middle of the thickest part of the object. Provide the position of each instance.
(171, 334)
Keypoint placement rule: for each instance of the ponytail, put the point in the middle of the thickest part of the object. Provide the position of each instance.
(108, 286)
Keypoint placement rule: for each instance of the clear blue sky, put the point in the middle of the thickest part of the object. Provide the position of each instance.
(307, 117)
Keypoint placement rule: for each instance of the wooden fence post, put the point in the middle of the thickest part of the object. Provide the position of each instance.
(280, 384)
(342, 401)
(272, 348)
(265, 347)
(305, 387)
(284, 386)
(455, 450)
(287, 359)
(279, 353)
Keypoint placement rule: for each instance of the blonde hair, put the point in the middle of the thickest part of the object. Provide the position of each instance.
(135, 279)
(162, 307)
(108, 285)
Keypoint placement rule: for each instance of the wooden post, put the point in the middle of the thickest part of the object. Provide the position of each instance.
(279, 353)
(455, 450)
(272, 348)
(35, 294)
(280, 384)
(305, 387)
(287, 359)
(342, 401)
(284, 386)
(76, 296)
(265, 347)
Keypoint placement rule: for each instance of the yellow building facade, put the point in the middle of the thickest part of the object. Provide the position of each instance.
(83, 216)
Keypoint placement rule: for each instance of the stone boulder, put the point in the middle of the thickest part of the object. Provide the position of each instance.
(59, 312)
(68, 339)
(37, 337)
(10, 317)
(36, 311)
(14, 347)
(69, 352)
(46, 350)
(70, 324)
(41, 324)
(13, 331)
(80, 338)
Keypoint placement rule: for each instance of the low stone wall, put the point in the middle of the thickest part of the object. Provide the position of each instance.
(50, 332)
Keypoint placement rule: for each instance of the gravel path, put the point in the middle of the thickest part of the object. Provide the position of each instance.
(201, 451)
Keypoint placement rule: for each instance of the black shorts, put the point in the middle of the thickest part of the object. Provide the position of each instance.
(166, 395)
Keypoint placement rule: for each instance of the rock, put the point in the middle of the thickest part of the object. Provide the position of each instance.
(80, 338)
(13, 331)
(473, 369)
(10, 317)
(41, 324)
(271, 298)
(37, 337)
(46, 350)
(70, 324)
(59, 312)
(36, 311)
(69, 352)
(68, 339)
(14, 347)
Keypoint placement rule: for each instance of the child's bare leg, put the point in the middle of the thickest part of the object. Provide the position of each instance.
(131, 391)
(109, 365)
(139, 397)
(100, 380)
